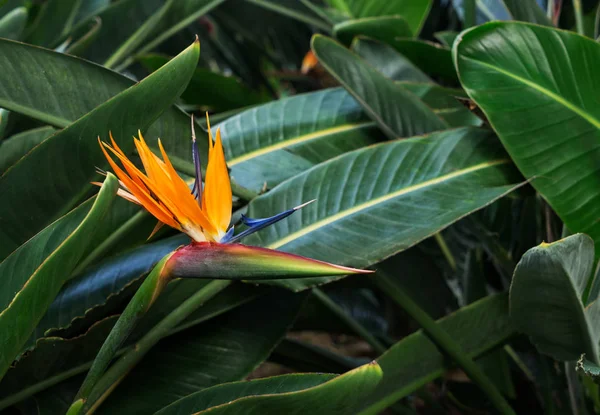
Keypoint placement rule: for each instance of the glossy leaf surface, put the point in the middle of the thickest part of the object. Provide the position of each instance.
(375, 202)
(35, 272)
(546, 298)
(536, 86)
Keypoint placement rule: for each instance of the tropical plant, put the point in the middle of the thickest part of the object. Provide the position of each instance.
(442, 153)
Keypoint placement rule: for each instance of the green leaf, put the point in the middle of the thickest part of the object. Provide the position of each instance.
(415, 12)
(56, 358)
(180, 15)
(388, 61)
(336, 396)
(590, 369)
(380, 28)
(415, 360)
(396, 111)
(59, 186)
(433, 59)
(527, 11)
(13, 24)
(35, 272)
(223, 349)
(546, 298)
(275, 141)
(225, 393)
(81, 296)
(446, 37)
(54, 19)
(375, 202)
(59, 100)
(210, 89)
(534, 86)
(15, 147)
(444, 103)
(136, 38)
(119, 22)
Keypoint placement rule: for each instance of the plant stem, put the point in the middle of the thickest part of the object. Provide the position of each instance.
(578, 17)
(352, 323)
(445, 250)
(470, 11)
(550, 9)
(137, 307)
(291, 13)
(119, 369)
(443, 340)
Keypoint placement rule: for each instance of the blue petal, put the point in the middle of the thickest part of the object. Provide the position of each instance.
(228, 236)
(255, 225)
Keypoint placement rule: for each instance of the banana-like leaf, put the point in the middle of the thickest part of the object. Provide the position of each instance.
(13, 24)
(415, 12)
(58, 186)
(415, 360)
(228, 392)
(15, 147)
(433, 58)
(34, 273)
(108, 279)
(340, 396)
(56, 358)
(210, 89)
(223, 349)
(380, 28)
(534, 85)
(275, 141)
(388, 61)
(588, 368)
(54, 19)
(59, 101)
(396, 111)
(375, 202)
(527, 11)
(546, 299)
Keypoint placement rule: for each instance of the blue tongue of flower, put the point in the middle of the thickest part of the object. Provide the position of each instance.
(255, 225)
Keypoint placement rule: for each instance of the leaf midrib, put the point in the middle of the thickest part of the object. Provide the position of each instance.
(579, 111)
(297, 140)
(373, 202)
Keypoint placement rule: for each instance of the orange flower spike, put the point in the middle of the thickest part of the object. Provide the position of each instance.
(161, 191)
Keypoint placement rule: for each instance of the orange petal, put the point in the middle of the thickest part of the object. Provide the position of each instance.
(217, 192)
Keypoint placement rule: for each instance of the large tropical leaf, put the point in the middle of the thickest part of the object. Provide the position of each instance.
(380, 28)
(275, 141)
(102, 282)
(340, 395)
(222, 350)
(546, 298)
(15, 147)
(54, 18)
(415, 12)
(63, 354)
(388, 61)
(13, 24)
(211, 90)
(60, 185)
(416, 360)
(535, 86)
(35, 272)
(374, 202)
(66, 88)
(396, 111)
(433, 59)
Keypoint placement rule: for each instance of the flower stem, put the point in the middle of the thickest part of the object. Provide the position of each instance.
(352, 323)
(121, 367)
(137, 307)
(443, 340)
